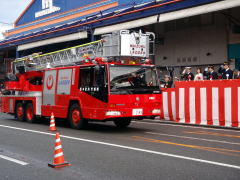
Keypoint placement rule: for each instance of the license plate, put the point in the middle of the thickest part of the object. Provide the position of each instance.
(137, 112)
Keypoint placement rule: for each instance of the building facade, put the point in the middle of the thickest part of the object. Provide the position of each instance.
(193, 33)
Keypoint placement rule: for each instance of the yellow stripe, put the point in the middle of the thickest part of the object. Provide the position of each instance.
(218, 150)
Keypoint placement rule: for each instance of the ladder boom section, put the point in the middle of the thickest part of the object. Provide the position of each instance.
(117, 45)
(62, 57)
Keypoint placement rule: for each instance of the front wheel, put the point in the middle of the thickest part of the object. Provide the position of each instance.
(122, 123)
(29, 113)
(75, 117)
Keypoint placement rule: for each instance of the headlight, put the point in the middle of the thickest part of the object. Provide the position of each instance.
(156, 111)
(113, 113)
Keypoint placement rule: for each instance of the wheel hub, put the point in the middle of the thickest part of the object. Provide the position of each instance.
(20, 111)
(76, 116)
(30, 113)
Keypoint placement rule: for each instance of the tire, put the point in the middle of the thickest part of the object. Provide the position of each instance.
(122, 123)
(20, 112)
(29, 113)
(75, 117)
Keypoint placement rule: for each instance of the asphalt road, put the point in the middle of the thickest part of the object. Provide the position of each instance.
(143, 151)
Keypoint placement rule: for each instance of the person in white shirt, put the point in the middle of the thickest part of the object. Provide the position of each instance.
(199, 75)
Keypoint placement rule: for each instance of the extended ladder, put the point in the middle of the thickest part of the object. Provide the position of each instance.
(68, 56)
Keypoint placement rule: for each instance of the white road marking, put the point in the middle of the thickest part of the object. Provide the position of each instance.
(187, 126)
(187, 137)
(130, 148)
(13, 160)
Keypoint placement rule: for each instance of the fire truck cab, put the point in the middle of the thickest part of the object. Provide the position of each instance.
(108, 80)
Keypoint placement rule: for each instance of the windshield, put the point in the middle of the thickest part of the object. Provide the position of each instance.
(133, 80)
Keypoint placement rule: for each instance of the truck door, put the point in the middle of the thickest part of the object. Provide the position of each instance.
(63, 87)
(49, 87)
(93, 81)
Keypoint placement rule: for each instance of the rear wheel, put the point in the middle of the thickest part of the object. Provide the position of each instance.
(122, 123)
(29, 113)
(75, 117)
(20, 112)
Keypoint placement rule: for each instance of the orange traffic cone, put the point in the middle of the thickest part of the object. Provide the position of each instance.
(58, 161)
(52, 123)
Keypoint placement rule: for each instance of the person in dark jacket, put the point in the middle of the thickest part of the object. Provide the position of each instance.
(167, 82)
(211, 75)
(187, 75)
(227, 72)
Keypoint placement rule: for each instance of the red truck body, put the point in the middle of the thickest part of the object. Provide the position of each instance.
(60, 88)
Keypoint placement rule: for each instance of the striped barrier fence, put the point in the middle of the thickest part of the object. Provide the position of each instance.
(214, 103)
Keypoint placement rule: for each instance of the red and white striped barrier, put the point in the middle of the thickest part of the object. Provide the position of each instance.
(203, 102)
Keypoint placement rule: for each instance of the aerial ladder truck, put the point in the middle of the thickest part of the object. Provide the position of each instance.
(111, 79)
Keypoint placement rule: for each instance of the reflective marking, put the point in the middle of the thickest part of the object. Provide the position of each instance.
(228, 107)
(187, 137)
(181, 105)
(215, 106)
(192, 105)
(203, 97)
(58, 147)
(52, 125)
(58, 155)
(131, 148)
(58, 140)
(14, 160)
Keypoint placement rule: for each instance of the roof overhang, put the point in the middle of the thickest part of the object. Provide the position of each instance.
(65, 38)
(125, 19)
(203, 9)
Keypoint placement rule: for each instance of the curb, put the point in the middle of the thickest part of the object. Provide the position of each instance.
(198, 125)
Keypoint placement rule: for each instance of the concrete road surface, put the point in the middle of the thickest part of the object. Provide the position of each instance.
(144, 151)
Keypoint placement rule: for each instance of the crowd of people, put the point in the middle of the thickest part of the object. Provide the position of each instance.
(224, 72)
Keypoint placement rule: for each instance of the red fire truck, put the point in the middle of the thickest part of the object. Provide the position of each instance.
(107, 80)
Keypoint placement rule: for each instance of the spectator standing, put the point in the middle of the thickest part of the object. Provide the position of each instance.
(236, 74)
(211, 75)
(199, 75)
(167, 82)
(187, 75)
(227, 72)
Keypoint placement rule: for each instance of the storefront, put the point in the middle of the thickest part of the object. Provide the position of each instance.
(189, 32)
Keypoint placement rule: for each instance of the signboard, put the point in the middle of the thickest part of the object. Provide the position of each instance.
(49, 87)
(135, 44)
(47, 8)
